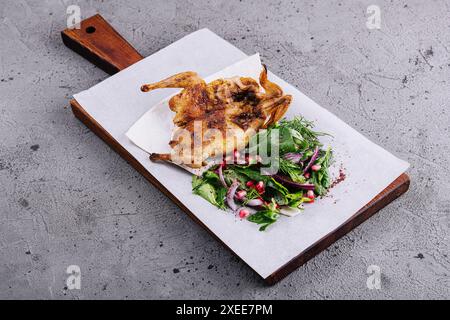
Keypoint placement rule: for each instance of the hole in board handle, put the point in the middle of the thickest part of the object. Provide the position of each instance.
(90, 29)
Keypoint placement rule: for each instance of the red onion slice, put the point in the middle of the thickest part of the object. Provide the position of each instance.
(230, 195)
(293, 157)
(313, 158)
(222, 179)
(288, 182)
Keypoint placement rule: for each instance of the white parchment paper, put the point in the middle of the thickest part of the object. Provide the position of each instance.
(117, 104)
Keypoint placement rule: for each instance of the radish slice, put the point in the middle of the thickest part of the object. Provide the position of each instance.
(310, 194)
(313, 158)
(240, 195)
(230, 195)
(290, 212)
(250, 210)
(293, 157)
(255, 202)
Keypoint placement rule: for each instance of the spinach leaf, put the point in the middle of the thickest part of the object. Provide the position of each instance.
(196, 182)
(264, 218)
(295, 199)
(206, 190)
(252, 173)
(231, 174)
(211, 177)
(220, 197)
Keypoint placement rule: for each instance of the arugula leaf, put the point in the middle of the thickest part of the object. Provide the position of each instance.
(251, 194)
(277, 186)
(321, 179)
(325, 159)
(296, 135)
(292, 170)
(302, 133)
(304, 127)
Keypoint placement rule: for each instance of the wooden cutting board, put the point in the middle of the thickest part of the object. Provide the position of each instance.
(98, 42)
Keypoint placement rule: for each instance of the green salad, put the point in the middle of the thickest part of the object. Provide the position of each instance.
(302, 175)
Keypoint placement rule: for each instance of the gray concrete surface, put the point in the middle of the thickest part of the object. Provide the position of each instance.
(66, 198)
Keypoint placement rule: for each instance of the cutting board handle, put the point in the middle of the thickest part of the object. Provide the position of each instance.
(101, 44)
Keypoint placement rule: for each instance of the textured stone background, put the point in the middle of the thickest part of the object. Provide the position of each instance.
(66, 198)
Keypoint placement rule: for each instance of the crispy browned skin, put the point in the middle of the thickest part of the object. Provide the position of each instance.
(223, 104)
